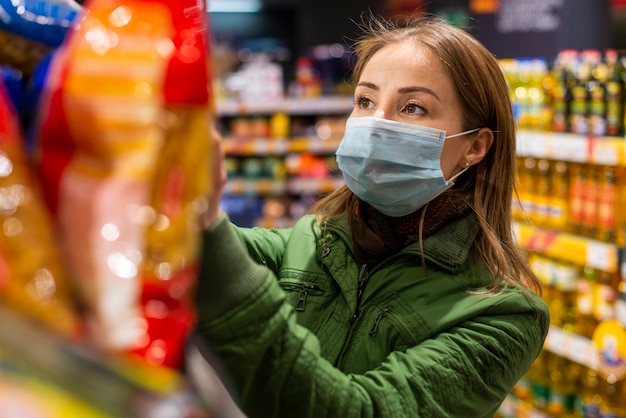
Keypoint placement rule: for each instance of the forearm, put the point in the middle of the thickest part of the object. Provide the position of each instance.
(276, 365)
(227, 274)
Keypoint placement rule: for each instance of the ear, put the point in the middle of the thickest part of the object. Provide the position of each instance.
(479, 146)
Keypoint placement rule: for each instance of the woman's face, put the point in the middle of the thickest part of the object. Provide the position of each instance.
(406, 83)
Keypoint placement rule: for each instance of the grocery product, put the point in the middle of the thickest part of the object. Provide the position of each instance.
(33, 279)
(122, 146)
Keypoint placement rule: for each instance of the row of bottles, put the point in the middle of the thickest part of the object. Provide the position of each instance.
(580, 298)
(583, 199)
(563, 388)
(585, 302)
(581, 92)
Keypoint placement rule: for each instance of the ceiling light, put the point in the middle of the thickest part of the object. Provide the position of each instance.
(234, 6)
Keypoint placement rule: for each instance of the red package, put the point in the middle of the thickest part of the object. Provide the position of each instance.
(122, 153)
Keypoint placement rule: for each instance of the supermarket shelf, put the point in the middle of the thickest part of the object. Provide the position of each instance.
(305, 106)
(568, 247)
(313, 186)
(277, 187)
(572, 346)
(516, 408)
(265, 187)
(275, 147)
(572, 147)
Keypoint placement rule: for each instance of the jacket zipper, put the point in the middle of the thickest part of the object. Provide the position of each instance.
(303, 294)
(362, 279)
(379, 318)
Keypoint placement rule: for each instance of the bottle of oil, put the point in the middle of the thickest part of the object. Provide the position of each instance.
(613, 397)
(605, 293)
(614, 94)
(564, 301)
(590, 201)
(586, 321)
(542, 193)
(537, 100)
(540, 381)
(559, 194)
(562, 71)
(596, 88)
(620, 202)
(578, 121)
(607, 196)
(591, 398)
(564, 385)
(576, 198)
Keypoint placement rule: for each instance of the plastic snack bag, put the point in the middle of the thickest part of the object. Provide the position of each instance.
(122, 142)
(33, 280)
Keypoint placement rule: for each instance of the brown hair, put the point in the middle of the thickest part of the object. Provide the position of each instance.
(484, 97)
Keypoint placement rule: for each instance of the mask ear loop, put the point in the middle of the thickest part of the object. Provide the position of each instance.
(421, 234)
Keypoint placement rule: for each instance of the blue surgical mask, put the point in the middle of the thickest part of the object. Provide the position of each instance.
(393, 166)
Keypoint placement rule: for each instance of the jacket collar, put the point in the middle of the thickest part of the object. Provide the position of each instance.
(448, 248)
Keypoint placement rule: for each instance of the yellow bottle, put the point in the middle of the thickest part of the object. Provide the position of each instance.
(576, 199)
(564, 386)
(590, 201)
(606, 209)
(613, 397)
(586, 321)
(542, 195)
(566, 297)
(540, 381)
(558, 201)
(591, 398)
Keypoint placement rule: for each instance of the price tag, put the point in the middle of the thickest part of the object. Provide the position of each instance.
(261, 146)
(602, 256)
(281, 146)
(604, 151)
(555, 342)
(580, 350)
(571, 148)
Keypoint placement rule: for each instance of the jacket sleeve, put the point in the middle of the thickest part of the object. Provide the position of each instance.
(265, 246)
(276, 367)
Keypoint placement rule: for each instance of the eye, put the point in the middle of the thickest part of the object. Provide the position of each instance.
(413, 108)
(363, 102)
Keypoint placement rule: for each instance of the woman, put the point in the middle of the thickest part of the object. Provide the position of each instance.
(404, 294)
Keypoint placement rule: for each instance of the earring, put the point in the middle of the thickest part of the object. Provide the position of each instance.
(467, 163)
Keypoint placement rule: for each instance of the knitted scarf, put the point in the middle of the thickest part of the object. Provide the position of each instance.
(377, 236)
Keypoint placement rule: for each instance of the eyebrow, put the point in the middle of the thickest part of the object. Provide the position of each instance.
(403, 90)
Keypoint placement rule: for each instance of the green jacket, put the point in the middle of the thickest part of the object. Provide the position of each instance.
(305, 331)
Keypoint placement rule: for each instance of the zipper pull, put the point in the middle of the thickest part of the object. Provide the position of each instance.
(325, 247)
(377, 320)
(301, 304)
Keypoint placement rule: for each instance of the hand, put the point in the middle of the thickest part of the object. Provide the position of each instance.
(217, 173)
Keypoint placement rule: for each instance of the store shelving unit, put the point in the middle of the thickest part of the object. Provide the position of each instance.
(306, 141)
(566, 246)
(293, 106)
(572, 147)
